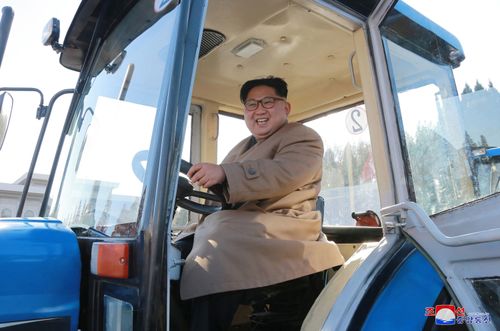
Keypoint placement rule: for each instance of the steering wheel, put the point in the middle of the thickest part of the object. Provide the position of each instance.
(186, 190)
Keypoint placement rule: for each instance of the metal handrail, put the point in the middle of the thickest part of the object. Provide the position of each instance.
(402, 208)
(34, 159)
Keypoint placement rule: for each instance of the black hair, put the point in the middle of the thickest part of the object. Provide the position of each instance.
(279, 85)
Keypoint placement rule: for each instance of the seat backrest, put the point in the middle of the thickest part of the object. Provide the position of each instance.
(320, 206)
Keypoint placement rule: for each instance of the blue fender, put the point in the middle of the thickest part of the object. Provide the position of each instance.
(39, 271)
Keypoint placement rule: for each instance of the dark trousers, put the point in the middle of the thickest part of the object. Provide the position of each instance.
(211, 312)
(215, 312)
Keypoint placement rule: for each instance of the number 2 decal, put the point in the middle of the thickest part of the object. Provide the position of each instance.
(356, 127)
(356, 120)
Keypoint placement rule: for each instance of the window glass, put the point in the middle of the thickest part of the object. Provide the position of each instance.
(110, 135)
(186, 148)
(231, 131)
(181, 216)
(349, 182)
(488, 291)
(444, 76)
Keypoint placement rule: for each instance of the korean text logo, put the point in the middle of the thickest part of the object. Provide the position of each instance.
(451, 315)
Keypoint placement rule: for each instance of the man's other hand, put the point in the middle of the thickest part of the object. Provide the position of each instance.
(206, 174)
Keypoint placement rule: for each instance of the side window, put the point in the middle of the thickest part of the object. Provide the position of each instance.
(99, 181)
(186, 148)
(191, 145)
(232, 130)
(349, 182)
(444, 76)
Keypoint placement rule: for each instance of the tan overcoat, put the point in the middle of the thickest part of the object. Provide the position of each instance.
(275, 234)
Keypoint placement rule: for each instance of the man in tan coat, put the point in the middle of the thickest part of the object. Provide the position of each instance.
(273, 234)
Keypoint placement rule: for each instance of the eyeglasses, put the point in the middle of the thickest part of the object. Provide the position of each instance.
(266, 102)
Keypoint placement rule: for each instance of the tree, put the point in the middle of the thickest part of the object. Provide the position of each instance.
(469, 143)
(478, 86)
(484, 142)
(438, 171)
(466, 89)
(331, 168)
(343, 165)
(491, 88)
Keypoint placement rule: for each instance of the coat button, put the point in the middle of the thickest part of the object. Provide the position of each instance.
(251, 171)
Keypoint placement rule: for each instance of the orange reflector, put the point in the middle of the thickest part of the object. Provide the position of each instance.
(110, 259)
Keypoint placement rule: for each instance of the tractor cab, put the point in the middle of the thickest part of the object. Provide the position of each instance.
(405, 194)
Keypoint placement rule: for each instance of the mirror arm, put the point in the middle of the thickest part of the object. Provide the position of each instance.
(41, 110)
(57, 47)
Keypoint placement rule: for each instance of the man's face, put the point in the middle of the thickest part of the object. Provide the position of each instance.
(264, 122)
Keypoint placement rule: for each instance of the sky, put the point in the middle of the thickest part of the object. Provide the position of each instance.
(27, 63)
(472, 23)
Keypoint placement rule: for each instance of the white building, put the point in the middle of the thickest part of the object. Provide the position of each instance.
(10, 195)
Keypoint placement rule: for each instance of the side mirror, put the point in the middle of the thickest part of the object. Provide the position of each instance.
(6, 103)
(50, 35)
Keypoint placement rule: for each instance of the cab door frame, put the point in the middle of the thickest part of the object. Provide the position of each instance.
(162, 175)
(460, 257)
(146, 290)
(351, 288)
(393, 158)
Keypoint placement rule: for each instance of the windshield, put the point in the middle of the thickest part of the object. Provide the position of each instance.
(99, 179)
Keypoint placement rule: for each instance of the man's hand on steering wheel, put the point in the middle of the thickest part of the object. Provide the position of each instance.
(185, 189)
(206, 174)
